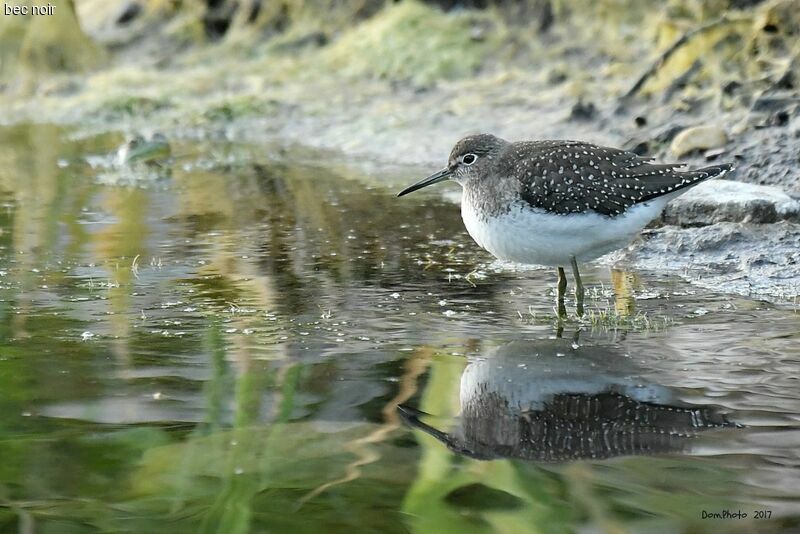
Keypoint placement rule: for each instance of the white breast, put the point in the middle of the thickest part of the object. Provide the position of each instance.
(533, 236)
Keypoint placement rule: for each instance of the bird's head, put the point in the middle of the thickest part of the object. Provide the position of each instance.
(472, 157)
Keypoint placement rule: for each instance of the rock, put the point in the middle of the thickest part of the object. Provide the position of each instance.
(477, 33)
(732, 87)
(582, 111)
(770, 110)
(668, 134)
(640, 148)
(314, 39)
(780, 118)
(728, 201)
(556, 76)
(129, 11)
(698, 138)
(714, 153)
(138, 150)
(771, 103)
(749, 259)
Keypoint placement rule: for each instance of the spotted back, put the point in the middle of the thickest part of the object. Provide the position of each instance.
(565, 177)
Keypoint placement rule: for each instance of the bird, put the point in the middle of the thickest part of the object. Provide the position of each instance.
(559, 202)
(552, 400)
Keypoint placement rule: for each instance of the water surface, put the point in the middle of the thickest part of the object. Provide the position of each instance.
(223, 345)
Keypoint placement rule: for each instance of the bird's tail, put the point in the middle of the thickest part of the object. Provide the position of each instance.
(695, 176)
(713, 171)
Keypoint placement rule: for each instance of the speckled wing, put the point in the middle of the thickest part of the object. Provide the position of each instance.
(565, 177)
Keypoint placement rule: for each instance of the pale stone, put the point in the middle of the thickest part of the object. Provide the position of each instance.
(698, 138)
(716, 201)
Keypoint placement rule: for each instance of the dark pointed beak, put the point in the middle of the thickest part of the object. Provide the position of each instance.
(440, 176)
(411, 417)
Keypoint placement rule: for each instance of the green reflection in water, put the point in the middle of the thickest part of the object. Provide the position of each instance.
(552, 399)
(441, 475)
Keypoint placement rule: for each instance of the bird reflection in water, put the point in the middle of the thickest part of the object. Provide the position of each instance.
(554, 401)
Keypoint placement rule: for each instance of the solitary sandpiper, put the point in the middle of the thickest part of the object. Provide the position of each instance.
(558, 202)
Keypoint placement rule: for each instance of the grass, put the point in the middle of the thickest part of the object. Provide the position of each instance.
(237, 107)
(610, 319)
(130, 106)
(413, 42)
(602, 319)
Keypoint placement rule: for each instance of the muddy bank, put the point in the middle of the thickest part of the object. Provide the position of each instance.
(729, 236)
(387, 86)
(760, 260)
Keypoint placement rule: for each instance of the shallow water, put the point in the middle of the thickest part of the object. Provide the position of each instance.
(223, 347)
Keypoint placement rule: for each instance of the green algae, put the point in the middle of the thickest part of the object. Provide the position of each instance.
(128, 106)
(414, 42)
(233, 108)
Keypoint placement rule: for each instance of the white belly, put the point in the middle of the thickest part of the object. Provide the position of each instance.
(526, 235)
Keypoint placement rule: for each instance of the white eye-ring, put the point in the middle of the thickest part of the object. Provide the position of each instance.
(469, 159)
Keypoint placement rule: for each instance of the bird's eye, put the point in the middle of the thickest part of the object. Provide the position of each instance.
(469, 159)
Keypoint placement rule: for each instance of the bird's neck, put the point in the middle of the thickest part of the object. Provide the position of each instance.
(490, 196)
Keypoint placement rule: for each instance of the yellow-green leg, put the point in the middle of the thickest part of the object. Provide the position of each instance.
(579, 293)
(562, 290)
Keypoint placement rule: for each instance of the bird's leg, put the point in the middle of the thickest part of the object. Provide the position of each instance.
(559, 329)
(562, 289)
(578, 288)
